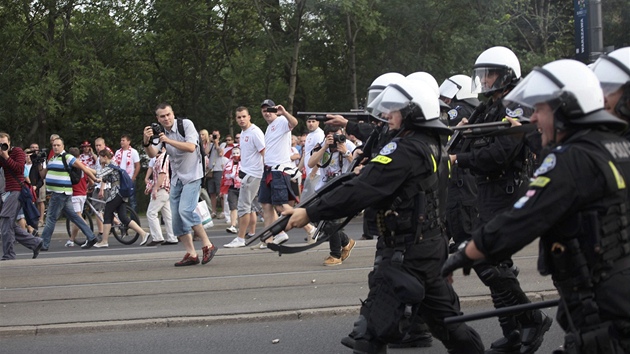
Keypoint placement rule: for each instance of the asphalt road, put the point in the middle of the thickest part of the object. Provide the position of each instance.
(126, 294)
(315, 334)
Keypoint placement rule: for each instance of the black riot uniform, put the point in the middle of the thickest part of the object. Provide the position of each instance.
(461, 208)
(500, 166)
(410, 204)
(579, 202)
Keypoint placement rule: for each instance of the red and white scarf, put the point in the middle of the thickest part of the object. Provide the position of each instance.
(128, 159)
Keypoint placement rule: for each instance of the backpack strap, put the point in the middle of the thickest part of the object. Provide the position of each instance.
(65, 164)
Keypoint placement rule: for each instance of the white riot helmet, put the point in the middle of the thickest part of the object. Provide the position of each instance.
(426, 77)
(495, 69)
(416, 101)
(613, 70)
(458, 87)
(380, 83)
(570, 88)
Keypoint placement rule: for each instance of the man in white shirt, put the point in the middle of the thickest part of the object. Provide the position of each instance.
(275, 191)
(252, 144)
(128, 159)
(315, 136)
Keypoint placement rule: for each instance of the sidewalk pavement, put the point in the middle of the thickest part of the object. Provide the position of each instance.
(133, 287)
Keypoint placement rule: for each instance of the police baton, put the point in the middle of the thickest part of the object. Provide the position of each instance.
(510, 310)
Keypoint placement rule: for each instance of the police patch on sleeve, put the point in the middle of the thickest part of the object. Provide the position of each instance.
(388, 149)
(518, 112)
(540, 182)
(547, 165)
(382, 159)
(452, 114)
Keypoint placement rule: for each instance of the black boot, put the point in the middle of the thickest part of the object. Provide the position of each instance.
(414, 340)
(363, 346)
(532, 334)
(510, 344)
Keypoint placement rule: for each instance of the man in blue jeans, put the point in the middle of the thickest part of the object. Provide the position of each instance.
(181, 140)
(59, 184)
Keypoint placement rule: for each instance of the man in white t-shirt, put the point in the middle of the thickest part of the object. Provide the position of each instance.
(275, 191)
(129, 160)
(315, 136)
(252, 144)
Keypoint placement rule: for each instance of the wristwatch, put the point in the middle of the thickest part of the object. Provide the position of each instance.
(347, 153)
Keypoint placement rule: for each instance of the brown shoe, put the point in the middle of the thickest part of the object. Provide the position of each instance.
(208, 253)
(188, 260)
(332, 261)
(345, 251)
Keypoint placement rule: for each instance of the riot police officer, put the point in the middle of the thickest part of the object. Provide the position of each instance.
(461, 209)
(613, 72)
(500, 166)
(375, 135)
(579, 202)
(410, 204)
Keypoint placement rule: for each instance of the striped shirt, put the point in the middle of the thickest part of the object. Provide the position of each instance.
(162, 163)
(57, 178)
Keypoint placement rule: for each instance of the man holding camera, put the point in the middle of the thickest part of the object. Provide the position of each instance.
(37, 177)
(182, 148)
(275, 186)
(214, 151)
(12, 160)
(333, 156)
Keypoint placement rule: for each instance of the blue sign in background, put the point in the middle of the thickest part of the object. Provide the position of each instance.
(581, 29)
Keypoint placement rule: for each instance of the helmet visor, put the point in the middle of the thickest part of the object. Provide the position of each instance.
(611, 72)
(538, 87)
(449, 88)
(393, 98)
(487, 78)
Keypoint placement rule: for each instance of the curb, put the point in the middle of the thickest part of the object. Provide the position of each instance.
(86, 327)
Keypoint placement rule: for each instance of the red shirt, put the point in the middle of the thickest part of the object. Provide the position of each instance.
(80, 188)
(15, 164)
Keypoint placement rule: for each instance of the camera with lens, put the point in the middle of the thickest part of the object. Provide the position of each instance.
(157, 129)
(215, 137)
(4, 146)
(339, 138)
(37, 157)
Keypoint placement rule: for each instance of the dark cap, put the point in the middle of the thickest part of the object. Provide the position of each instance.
(267, 102)
(85, 144)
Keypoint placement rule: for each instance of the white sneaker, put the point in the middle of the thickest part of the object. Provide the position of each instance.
(145, 239)
(101, 245)
(232, 229)
(310, 238)
(260, 246)
(69, 243)
(236, 242)
(281, 238)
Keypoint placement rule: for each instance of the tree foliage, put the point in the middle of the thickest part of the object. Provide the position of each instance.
(84, 69)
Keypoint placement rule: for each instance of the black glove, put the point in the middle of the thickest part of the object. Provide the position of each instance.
(459, 259)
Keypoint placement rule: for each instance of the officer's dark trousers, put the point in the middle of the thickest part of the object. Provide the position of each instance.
(461, 206)
(424, 261)
(493, 198)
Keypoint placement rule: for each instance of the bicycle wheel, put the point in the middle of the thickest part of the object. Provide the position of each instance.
(80, 238)
(123, 234)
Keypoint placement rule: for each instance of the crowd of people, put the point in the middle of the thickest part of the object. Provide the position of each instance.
(418, 185)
